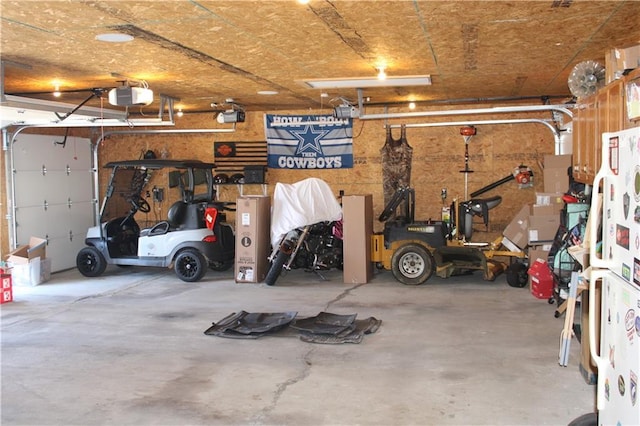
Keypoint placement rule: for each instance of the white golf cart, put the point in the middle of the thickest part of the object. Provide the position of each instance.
(193, 238)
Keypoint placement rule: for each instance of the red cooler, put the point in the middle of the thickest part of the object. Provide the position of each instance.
(541, 279)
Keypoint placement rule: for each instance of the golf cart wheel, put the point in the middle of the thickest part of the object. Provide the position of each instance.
(412, 264)
(517, 275)
(221, 266)
(190, 265)
(90, 262)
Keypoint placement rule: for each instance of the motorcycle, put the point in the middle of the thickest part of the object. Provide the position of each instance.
(306, 228)
(314, 247)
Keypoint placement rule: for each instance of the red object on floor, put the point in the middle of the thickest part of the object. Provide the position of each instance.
(7, 290)
(541, 279)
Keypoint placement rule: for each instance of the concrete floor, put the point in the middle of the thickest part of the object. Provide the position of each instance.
(129, 348)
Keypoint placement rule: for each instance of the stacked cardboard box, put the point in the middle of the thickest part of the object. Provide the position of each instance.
(619, 60)
(535, 226)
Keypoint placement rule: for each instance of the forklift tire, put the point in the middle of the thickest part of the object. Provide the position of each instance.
(517, 275)
(90, 262)
(190, 265)
(412, 264)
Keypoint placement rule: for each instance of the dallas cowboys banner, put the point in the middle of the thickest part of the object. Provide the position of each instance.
(308, 141)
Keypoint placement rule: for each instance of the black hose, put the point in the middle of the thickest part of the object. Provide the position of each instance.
(492, 185)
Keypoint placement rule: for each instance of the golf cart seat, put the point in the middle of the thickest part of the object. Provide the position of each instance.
(175, 218)
(182, 215)
(176, 214)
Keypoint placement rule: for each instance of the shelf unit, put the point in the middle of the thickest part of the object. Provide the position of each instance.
(241, 186)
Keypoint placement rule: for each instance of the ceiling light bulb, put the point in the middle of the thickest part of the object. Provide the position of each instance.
(381, 74)
(56, 91)
(304, 1)
(180, 113)
(412, 105)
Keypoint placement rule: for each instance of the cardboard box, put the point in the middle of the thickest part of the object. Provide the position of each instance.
(518, 228)
(556, 180)
(7, 289)
(619, 60)
(510, 245)
(550, 199)
(253, 227)
(37, 248)
(557, 161)
(537, 253)
(357, 214)
(32, 273)
(555, 174)
(627, 59)
(544, 209)
(543, 228)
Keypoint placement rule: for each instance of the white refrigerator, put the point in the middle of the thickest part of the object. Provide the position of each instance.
(618, 268)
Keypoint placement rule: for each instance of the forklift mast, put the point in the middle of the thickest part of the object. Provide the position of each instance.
(406, 195)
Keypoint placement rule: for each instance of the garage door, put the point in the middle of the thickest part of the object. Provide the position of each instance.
(53, 194)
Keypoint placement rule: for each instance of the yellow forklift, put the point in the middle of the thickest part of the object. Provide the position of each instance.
(415, 250)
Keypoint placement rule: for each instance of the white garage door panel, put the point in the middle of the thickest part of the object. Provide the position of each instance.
(77, 186)
(65, 251)
(30, 223)
(66, 187)
(33, 188)
(31, 152)
(56, 221)
(78, 220)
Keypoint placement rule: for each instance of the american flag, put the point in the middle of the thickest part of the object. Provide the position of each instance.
(232, 157)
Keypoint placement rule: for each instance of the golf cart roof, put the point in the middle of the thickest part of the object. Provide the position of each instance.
(159, 163)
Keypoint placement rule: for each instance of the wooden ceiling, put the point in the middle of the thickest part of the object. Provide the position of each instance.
(206, 51)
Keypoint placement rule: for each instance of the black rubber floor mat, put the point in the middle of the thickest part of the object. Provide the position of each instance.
(324, 328)
(245, 325)
(325, 323)
(362, 327)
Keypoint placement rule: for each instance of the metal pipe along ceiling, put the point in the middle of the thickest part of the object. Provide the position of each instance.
(556, 133)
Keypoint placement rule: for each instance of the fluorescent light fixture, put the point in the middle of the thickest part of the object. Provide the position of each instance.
(114, 37)
(362, 82)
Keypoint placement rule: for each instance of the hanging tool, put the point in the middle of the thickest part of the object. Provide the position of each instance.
(466, 132)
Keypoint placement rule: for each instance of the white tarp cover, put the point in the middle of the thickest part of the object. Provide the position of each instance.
(302, 203)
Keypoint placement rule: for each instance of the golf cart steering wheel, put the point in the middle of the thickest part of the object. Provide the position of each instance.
(141, 205)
